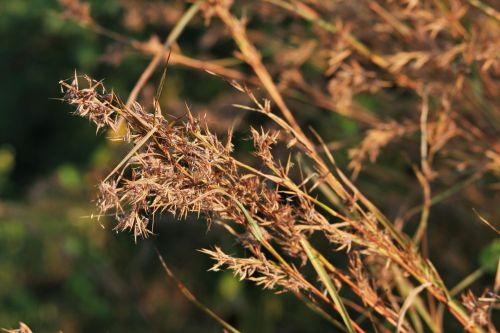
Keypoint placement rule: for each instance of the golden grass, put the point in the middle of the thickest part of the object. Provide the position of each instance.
(425, 48)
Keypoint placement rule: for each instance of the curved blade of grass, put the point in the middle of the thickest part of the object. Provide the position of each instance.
(405, 288)
(189, 295)
(408, 302)
(320, 270)
(132, 152)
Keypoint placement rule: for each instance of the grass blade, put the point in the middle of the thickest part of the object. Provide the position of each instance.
(320, 270)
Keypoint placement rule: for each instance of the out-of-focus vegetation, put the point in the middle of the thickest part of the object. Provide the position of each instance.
(62, 270)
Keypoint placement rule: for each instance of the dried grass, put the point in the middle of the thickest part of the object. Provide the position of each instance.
(425, 48)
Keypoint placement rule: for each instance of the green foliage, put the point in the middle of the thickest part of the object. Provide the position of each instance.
(490, 256)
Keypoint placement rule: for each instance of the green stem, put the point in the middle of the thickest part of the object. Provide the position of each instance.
(467, 281)
(327, 281)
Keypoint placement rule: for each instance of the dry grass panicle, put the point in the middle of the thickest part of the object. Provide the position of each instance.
(432, 67)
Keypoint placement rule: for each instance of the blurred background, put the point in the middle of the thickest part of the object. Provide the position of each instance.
(62, 270)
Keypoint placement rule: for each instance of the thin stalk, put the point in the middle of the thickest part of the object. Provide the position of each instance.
(424, 218)
(171, 38)
(253, 58)
(137, 146)
(399, 26)
(490, 11)
(467, 281)
(423, 176)
(320, 270)
(454, 307)
(190, 296)
(458, 311)
(293, 187)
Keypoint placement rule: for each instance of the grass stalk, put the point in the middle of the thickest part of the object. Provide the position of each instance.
(192, 298)
(328, 283)
(160, 54)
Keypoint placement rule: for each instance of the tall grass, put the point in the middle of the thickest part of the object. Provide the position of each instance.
(436, 53)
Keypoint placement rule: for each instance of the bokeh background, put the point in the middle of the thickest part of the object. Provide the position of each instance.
(62, 270)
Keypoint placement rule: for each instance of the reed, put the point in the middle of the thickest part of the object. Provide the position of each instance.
(279, 211)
